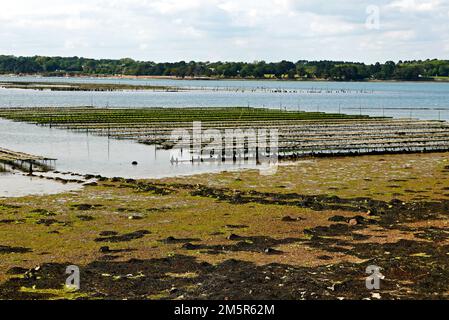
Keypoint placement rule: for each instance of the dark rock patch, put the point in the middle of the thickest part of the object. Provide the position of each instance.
(173, 240)
(86, 206)
(43, 212)
(85, 217)
(8, 249)
(108, 233)
(236, 226)
(125, 237)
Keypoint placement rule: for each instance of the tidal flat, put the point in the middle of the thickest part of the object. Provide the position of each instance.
(307, 232)
(90, 87)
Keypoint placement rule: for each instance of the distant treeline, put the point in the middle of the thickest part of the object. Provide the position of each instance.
(330, 70)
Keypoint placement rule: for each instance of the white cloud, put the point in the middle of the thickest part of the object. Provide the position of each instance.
(446, 46)
(415, 5)
(75, 44)
(399, 35)
(169, 30)
(320, 25)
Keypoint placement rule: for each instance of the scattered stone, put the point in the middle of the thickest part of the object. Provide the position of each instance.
(190, 246)
(170, 240)
(135, 217)
(10, 221)
(105, 249)
(108, 233)
(289, 219)
(47, 222)
(85, 206)
(325, 258)
(16, 271)
(85, 218)
(272, 251)
(234, 237)
(173, 290)
(236, 226)
(7, 249)
(43, 212)
(338, 219)
(173, 240)
(125, 237)
(375, 295)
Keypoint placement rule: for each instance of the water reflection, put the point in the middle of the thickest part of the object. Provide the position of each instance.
(87, 154)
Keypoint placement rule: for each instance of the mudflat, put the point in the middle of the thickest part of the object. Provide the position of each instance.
(307, 232)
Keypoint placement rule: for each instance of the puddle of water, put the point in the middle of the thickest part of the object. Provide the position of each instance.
(18, 185)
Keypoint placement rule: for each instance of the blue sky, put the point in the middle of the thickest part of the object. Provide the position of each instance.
(231, 30)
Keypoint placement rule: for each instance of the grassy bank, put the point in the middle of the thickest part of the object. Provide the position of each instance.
(307, 232)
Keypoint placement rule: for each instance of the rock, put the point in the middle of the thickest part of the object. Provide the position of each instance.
(83, 206)
(272, 251)
(236, 226)
(108, 233)
(338, 219)
(289, 219)
(17, 271)
(375, 295)
(234, 237)
(173, 290)
(189, 246)
(105, 249)
(135, 217)
(170, 239)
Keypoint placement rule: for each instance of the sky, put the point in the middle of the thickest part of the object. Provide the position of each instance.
(227, 30)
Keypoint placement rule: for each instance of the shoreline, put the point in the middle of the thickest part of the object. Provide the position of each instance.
(129, 77)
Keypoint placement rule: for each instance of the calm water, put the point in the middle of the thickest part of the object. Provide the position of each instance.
(87, 154)
(82, 153)
(18, 185)
(422, 100)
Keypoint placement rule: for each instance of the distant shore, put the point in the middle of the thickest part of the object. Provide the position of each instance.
(147, 77)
